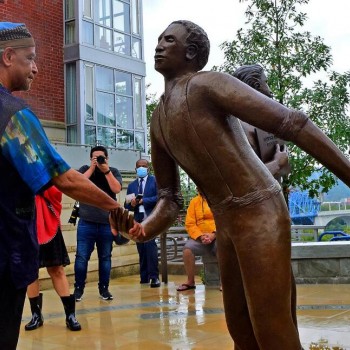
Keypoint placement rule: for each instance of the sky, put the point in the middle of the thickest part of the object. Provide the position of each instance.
(222, 18)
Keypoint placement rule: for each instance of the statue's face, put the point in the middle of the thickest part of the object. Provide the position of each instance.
(264, 88)
(171, 50)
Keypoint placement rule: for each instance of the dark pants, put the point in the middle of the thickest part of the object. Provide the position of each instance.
(11, 309)
(148, 253)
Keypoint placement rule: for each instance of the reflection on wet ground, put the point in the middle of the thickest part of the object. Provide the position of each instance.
(140, 317)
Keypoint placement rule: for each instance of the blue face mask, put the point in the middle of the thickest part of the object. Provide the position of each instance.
(141, 171)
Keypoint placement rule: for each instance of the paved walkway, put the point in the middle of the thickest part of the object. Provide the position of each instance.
(161, 318)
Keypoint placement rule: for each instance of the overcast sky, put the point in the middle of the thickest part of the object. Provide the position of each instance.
(222, 18)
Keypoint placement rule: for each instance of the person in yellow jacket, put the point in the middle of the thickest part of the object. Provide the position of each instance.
(200, 226)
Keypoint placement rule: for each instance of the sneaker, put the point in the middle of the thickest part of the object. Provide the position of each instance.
(78, 293)
(106, 295)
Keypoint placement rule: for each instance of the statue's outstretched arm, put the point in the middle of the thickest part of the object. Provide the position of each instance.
(232, 97)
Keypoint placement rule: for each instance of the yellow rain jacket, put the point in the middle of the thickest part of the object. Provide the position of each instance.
(199, 218)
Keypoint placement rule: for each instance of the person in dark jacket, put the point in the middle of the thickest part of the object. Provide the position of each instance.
(141, 199)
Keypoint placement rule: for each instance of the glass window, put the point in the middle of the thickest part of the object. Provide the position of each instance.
(124, 112)
(125, 139)
(138, 104)
(89, 94)
(136, 48)
(90, 135)
(113, 107)
(104, 78)
(103, 38)
(122, 43)
(121, 16)
(71, 94)
(123, 83)
(69, 9)
(105, 109)
(135, 17)
(88, 33)
(140, 141)
(87, 11)
(72, 136)
(106, 136)
(69, 32)
(103, 12)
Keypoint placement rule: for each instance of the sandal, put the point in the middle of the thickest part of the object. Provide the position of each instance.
(184, 286)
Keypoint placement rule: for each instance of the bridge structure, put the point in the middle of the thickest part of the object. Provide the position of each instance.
(303, 209)
(325, 217)
(306, 211)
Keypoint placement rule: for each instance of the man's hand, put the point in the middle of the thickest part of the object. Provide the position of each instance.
(122, 221)
(207, 238)
(104, 167)
(93, 164)
(134, 202)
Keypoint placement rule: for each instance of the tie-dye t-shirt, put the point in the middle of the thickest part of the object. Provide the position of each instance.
(25, 145)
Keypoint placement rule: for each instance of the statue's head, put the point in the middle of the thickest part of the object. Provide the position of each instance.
(254, 76)
(198, 38)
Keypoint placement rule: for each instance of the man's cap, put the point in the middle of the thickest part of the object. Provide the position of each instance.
(15, 35)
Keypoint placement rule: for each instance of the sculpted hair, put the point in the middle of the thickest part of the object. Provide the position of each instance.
(198, 37)
(250, 74)
(99, 148)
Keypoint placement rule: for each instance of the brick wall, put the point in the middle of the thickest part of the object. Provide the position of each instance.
(44, 19)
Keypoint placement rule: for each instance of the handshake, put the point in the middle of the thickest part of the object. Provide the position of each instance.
(122, 221)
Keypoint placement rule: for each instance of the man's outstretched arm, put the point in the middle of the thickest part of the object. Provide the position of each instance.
(76, 185)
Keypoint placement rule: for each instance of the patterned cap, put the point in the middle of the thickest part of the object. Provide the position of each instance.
(15, 35)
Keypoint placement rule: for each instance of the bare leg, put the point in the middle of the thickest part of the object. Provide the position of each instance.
(33, 289)
(59, 280)
(189, 262)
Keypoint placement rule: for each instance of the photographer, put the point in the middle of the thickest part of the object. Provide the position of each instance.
(93, 226)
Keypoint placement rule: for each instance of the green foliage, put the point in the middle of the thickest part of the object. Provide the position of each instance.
(337, 224)
(151, 104)
(273, 38)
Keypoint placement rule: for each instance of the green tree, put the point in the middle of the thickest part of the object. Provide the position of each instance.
(274, 39)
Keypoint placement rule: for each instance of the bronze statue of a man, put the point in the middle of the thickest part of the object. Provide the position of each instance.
(195, 126)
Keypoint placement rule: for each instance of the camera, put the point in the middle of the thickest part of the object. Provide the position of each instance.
(101, 159)
(74, 215)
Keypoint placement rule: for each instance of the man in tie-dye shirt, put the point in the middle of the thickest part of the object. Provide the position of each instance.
(28, 165)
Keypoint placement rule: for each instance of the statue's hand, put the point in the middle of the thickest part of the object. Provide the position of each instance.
(122, 221)
(282, 161)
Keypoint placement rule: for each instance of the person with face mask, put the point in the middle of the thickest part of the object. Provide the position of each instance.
(141, 198)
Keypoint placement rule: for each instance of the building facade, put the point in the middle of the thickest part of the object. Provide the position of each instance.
(90, 88)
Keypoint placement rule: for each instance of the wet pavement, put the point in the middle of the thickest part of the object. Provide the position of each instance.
(141, 317)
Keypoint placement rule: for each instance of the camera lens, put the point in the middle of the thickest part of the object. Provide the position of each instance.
(101, 160)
